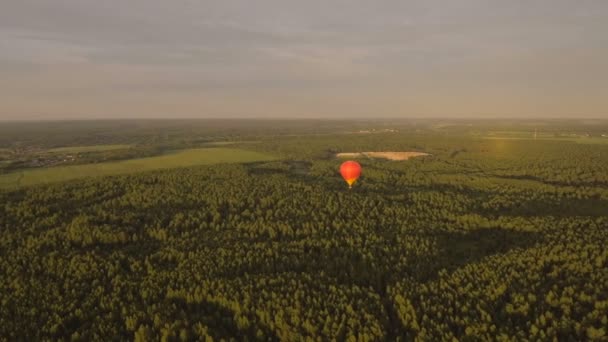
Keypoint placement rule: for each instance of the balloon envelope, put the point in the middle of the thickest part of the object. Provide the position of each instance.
(350, 171)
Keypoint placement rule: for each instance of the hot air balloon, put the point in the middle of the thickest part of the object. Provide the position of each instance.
(350, 171)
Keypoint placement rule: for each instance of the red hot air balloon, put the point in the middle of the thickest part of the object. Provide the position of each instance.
(350, 170)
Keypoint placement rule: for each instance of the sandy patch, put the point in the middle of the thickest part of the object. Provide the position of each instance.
(385, 155)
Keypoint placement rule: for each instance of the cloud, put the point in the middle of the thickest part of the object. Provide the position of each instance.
(389, 54)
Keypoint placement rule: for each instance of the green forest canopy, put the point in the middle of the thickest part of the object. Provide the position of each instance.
(483, 240)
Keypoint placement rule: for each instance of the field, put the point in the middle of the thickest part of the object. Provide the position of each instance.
(225, 143)
(580, 138)
(481, 240)
(81, 149)
(177, 159)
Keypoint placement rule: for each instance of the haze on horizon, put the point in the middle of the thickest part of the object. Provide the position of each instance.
(83, 59)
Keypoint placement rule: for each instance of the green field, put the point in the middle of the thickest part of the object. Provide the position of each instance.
(578, 140)
(183, 158)
(93, 148)
(591, 141)
(226, 143)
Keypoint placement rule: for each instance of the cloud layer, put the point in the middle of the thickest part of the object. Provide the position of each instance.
(153, 58)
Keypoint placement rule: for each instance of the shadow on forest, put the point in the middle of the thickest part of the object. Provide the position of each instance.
(458, 249)
(378, 265)
(454, 250)
(564, 207)
(551, 182)
(221, 321)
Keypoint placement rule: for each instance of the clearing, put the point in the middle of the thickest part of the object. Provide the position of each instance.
(578, 140)
(93, 148)
(385, 155)
(185, 158)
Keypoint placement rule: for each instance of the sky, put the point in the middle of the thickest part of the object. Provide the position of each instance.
(90, 59)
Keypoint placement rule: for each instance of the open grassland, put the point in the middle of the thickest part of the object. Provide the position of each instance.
(94, 148)
(544, 136)
(184, 158)
(225, 143)
(592, 141)
(577, 140)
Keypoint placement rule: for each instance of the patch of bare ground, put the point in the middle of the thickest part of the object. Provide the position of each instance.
(385, 155)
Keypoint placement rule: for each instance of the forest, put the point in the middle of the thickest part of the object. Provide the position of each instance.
(484, 239)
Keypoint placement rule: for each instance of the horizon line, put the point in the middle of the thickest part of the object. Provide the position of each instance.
(385, 118)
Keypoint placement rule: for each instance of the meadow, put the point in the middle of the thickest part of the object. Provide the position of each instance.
(82, 149)
(580, 138)
(176, 159)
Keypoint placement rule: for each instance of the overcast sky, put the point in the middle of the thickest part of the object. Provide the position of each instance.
(308, 58)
